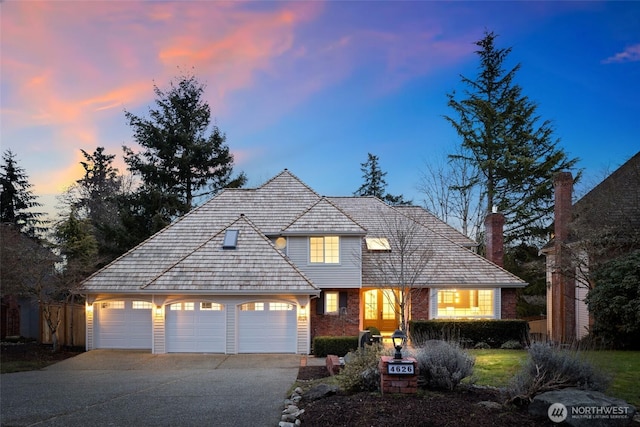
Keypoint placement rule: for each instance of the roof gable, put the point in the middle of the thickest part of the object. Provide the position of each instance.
(254, 266)
(326, 218)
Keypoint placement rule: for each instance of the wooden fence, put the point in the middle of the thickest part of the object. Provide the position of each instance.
(538, 329)
(72, 329)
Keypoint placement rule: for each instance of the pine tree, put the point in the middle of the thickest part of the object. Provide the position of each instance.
(515, 152)
(17, 201)
(374, 183)
(183, 156)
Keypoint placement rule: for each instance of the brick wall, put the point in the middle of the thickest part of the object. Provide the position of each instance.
(336, 324)
(419, 304)
(508, 303)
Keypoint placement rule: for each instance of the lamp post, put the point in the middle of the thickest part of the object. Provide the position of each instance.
(398, 339)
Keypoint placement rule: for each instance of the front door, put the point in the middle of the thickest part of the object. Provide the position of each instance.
(381, 309)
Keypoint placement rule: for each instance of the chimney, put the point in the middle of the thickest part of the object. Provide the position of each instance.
(563, 186)
(494, 239)
(563, 291)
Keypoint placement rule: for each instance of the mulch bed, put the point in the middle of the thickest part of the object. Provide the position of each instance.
(428, 409)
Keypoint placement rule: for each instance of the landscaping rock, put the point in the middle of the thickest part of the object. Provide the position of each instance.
(583, 408)
(319, 391)
(494, 406)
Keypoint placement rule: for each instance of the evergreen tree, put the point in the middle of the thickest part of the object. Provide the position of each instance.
(183, 157)
(17, 201)
(515, 152)
(374, 183)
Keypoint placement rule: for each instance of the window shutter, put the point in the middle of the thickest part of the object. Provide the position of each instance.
(342, 300)
(320, 303)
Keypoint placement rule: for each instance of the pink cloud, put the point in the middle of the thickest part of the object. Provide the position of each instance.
(630, 54)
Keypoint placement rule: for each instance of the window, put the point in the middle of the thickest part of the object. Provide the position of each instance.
(210, 306)
(252, 306)
(141, 305)
(113, 305)
(331, 302)
(280, 306)
(230, 239)
(377, 243)
(180, 306)
(324, 250)
(459, 303)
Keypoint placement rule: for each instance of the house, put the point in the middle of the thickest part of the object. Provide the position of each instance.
(267, 269)
(27, 268)
(602, 225)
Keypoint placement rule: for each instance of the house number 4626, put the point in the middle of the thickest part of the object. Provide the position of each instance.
(400, 369)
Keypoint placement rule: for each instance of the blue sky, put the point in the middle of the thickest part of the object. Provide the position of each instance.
(311, 86)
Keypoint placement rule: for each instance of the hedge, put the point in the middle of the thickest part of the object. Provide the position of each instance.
(323, 346)
(470, 332)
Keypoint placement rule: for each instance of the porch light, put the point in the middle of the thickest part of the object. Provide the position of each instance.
(158, 310)
(89, 308)
(302, 312)
(398, 339)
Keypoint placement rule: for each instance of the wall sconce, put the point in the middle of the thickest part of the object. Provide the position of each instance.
(302, 312)
(89, 308)
(158, 310)
(398, 339)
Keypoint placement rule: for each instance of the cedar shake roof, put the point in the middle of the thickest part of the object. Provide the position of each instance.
(187, 255)
(448, 265)
(254, 266)
(429, 220)
(324, 218)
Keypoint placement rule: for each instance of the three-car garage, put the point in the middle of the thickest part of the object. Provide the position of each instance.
(197, 326)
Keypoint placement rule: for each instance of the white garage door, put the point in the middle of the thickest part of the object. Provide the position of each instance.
(195, 327)
(124, 324)
(267, 327)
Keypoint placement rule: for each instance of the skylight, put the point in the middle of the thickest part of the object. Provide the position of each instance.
(230, 239)
(377, 243)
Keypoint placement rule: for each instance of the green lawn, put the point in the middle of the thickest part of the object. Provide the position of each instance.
(496, 367)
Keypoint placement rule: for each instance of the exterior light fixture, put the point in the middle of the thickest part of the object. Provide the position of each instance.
(398, 339)
(158, 310)
(89, 308)
(302, 313)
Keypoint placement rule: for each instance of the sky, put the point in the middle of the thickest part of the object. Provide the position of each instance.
(311, 86)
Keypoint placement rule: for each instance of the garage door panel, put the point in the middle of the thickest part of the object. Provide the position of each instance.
(196, 330)
(120, 326)
(267, 331)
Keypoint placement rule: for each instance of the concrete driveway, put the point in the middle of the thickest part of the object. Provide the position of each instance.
(137, 388)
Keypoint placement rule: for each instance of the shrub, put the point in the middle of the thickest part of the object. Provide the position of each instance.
(360, 371)
(615, 302)
(470, 332)
(323, 346)
(442, 365)
(548, 368)
(482, 346)
(511, 345)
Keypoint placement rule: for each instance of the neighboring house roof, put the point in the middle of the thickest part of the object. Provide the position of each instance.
(612, 207)
(187, 256)
(614, 203)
